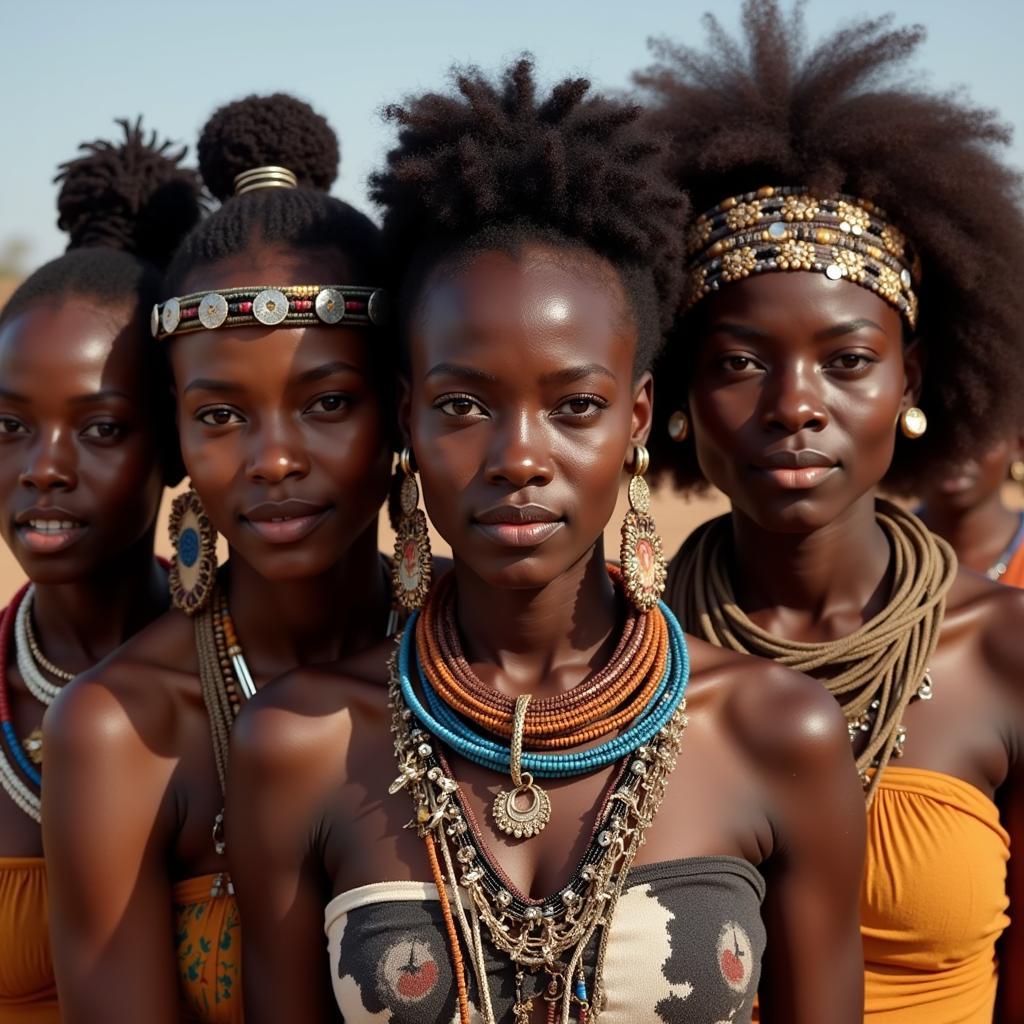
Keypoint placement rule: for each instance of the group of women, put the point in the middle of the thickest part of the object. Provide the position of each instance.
(512, 789)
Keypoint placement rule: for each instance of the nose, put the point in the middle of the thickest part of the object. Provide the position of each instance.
(52, 465)
(518, 454)
(792, 400)
(277, 453)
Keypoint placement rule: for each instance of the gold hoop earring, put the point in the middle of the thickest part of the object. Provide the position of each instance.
(679, 426)
(643, 563)
(913, 423)
(413, 562)
(194, 566)
(1017, 471)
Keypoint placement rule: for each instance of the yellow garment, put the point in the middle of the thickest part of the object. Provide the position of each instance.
(209, 953)
(934, 900)
(28, 993)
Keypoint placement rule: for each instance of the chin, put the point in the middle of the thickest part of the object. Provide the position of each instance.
(285, 566)
(797, 515)
(523, 570)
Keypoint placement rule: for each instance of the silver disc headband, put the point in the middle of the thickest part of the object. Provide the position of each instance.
(293, 305)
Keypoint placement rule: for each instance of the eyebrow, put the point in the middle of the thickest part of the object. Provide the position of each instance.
(835, 331)
(574, 373)
(208, 384)
(12, 396)
(101, 396)
(455, 370)
(327, 370)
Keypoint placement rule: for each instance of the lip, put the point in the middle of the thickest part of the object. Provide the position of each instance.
(519, 526)
(46, 530)
(957, 484)
(797, 469)
(285, 522)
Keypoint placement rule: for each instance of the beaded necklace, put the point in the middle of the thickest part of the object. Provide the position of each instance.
(548, 935)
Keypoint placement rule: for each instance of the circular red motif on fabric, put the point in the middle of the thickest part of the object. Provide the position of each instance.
(410, 970)
(416, 982)
(735, 957)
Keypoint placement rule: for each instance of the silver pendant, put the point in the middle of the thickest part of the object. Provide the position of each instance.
(522, 822)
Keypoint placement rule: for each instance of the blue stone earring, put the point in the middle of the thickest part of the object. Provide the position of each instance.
(194, 567)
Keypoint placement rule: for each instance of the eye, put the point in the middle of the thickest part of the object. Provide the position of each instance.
(850, 361)
(738, 364)
(329, 403)
(581, 405)
(102, 431)
(459, 406)
(218, 416)
(9, 425)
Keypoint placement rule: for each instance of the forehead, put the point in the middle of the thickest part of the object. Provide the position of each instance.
(275, 266)
(535, 307)
(78, 344)
(798, 304)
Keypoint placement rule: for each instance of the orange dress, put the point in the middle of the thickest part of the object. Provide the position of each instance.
(1014, 575)
(934, 900)
(209, 948)
(28, 992)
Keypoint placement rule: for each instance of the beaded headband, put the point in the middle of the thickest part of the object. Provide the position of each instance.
(297, 305)
(775, 229)
(265, 177)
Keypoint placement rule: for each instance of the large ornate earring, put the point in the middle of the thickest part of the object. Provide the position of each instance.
(194, 567)
(641, 557)
(913, 423)
(679, 426)
(413, 562)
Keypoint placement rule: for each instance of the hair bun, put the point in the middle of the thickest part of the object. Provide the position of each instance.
(132, 195)
(261, 131)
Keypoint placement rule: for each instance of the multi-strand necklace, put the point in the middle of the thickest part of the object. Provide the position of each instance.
(876, 671)
(647, 675)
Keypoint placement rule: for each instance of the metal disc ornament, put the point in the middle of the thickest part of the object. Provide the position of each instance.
(376, 307)
(171, 316)
(270, 307)
(154, 320)
(330, 305)
(213, 310)
(522, 822)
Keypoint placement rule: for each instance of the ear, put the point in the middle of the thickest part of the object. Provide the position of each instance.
(643, 410)
(913, 370)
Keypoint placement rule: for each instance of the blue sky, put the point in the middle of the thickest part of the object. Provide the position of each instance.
(69, 68)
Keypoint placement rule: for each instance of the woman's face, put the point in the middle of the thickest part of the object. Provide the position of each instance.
(797, 386)
(283, 431)
(523, 408)
(80, 469)
(975, 481)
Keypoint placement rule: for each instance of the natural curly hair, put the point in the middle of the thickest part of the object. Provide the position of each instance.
(493, 165)
(842, 116)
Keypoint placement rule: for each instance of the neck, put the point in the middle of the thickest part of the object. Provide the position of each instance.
(541, 640)
(78, 624)
(979, 534)
(312, 620)
(814, 585)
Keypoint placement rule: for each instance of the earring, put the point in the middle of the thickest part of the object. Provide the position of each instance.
(679, 426)
(194, 566)
(1017, 471)
(913, 423)
(643, 564)
(413, 562)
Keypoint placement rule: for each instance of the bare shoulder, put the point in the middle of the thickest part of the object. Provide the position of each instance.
(135, 695)
(783, 720)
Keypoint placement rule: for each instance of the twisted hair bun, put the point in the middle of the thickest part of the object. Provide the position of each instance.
(132, 195)
(261, 131)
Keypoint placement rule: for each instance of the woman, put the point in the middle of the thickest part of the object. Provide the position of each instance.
(536, 239)
(283, 416)
(84, 456)
(855, 322)
(966, 507)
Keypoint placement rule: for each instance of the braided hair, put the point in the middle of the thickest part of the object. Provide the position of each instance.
(494, 165)
(841, 117)
(276, 130)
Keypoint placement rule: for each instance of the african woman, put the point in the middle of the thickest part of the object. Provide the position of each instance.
(854, 322)
(601, 845)
(269, 317)
(85, 451)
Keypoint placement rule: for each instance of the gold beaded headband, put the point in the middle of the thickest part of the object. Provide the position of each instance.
(265, 177)
(297, 305)
(776, 229)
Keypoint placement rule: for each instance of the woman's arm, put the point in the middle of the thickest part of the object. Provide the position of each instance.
(814, 964)
(284, 767)
(106, 823)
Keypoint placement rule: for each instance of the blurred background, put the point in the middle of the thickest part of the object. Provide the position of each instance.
(69, 68)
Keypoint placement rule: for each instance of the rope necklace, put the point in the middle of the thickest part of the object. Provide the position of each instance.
(548, 935)
(873, 673)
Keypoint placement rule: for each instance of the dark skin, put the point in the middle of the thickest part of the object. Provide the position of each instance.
(76, 448)
(523, 391)
(264, 417)
(798, 362)
(967, 508)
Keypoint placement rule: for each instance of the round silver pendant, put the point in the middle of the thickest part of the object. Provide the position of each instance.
(377, 307)
(154, 320)
(270, 307)
(905, 277)
(522, 822)
(330, 305)
(777, 230)
(213, 310)
(833, 271)
(171, 316)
